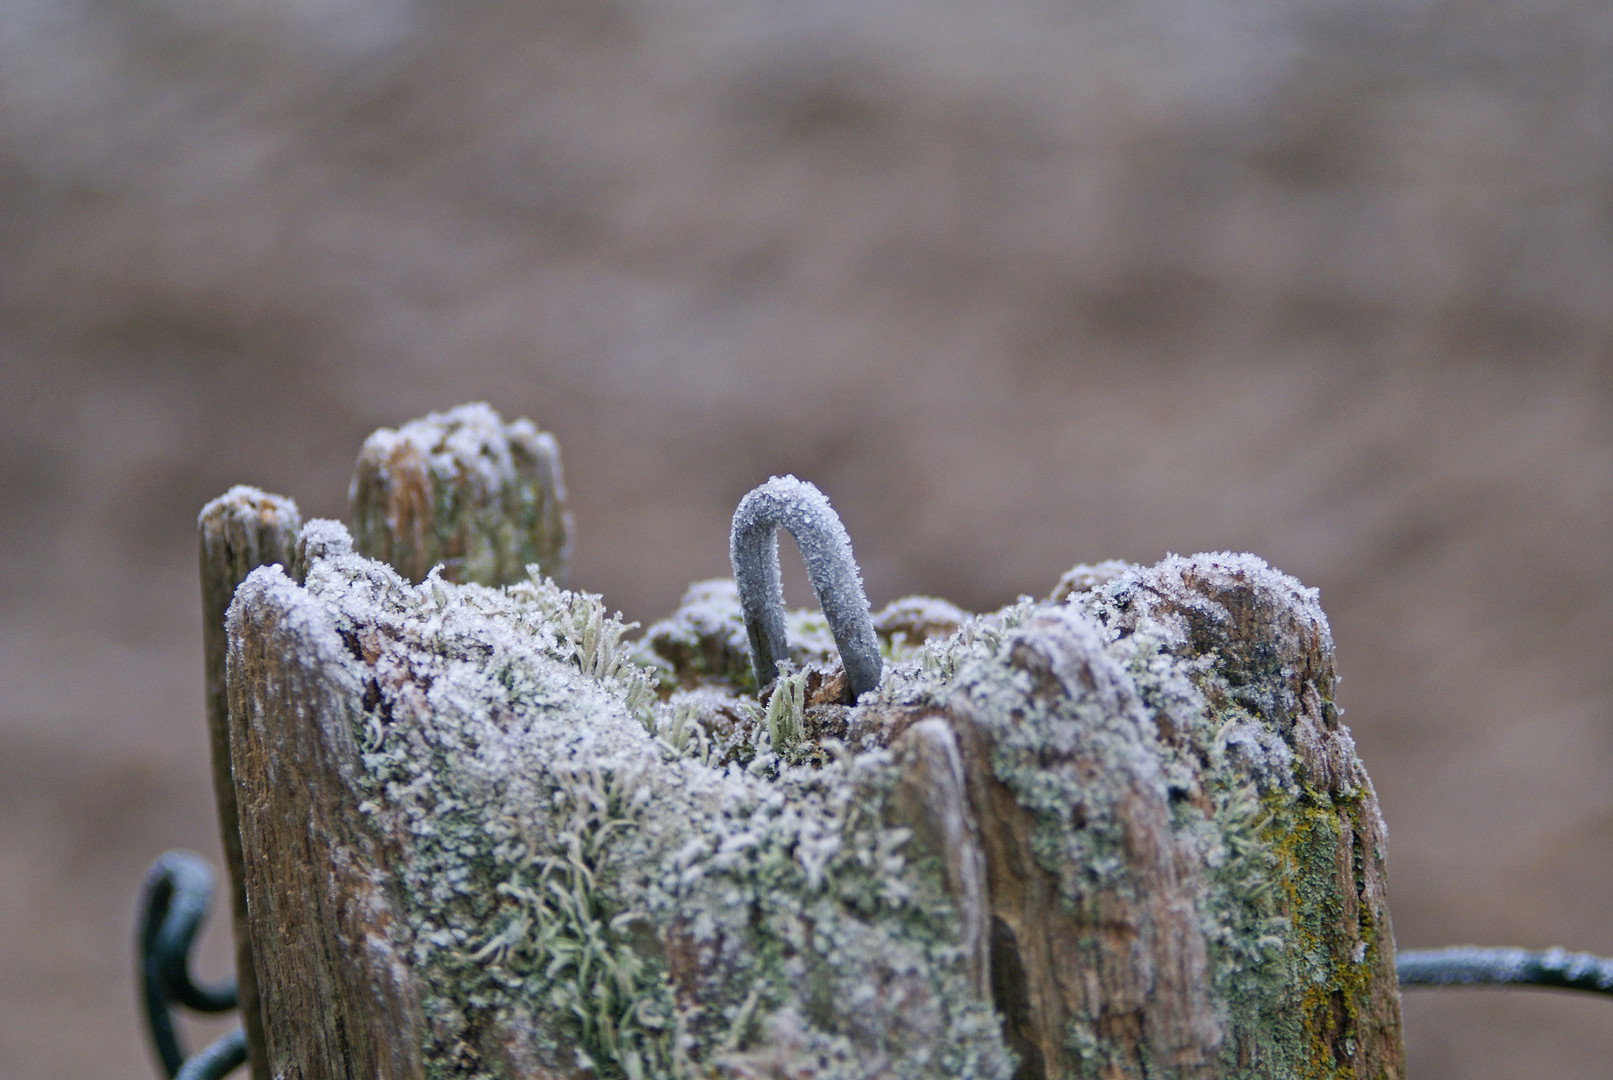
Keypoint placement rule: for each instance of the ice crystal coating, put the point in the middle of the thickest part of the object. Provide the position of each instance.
(586, 878)
(462, 488)
(801, 510)
(1121, 835)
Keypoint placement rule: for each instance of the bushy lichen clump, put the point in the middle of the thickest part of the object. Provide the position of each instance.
(590, 893)
(617, 863)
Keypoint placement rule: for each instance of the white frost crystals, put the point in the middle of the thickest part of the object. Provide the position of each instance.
(802, 510)
(566, 883)
(558, 853)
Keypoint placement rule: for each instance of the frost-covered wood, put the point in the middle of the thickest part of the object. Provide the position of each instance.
(1120, 833)
(239, 531)
(462, 489)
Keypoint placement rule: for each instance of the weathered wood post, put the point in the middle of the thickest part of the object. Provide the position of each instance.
(240, 531)
(1117, 833)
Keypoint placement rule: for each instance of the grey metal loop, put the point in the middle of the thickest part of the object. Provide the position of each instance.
(801, 510)
(1468, 966)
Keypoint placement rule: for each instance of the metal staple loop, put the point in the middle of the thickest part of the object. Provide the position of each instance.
(801, 510)
(174, 900)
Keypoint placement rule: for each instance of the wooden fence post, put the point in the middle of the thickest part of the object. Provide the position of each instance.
(1117, 833)
(240, 531)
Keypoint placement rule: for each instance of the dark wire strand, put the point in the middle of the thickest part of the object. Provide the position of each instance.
(223, 1056)
(174, 901)
(1470, 966)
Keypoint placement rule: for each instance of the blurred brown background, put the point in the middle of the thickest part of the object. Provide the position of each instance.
(1019, 283)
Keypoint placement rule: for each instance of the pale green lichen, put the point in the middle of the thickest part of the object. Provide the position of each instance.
(644, 873)
(785, 713)
(1217, 719)
(1294, 975)
(512, 751)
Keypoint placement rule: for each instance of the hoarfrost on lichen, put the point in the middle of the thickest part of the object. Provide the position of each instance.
(513, 749)
(615, 849)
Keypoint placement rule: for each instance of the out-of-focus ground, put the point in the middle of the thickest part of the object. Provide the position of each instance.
(1019, 283)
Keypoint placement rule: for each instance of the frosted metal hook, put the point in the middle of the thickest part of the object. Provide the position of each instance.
(801, 510)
